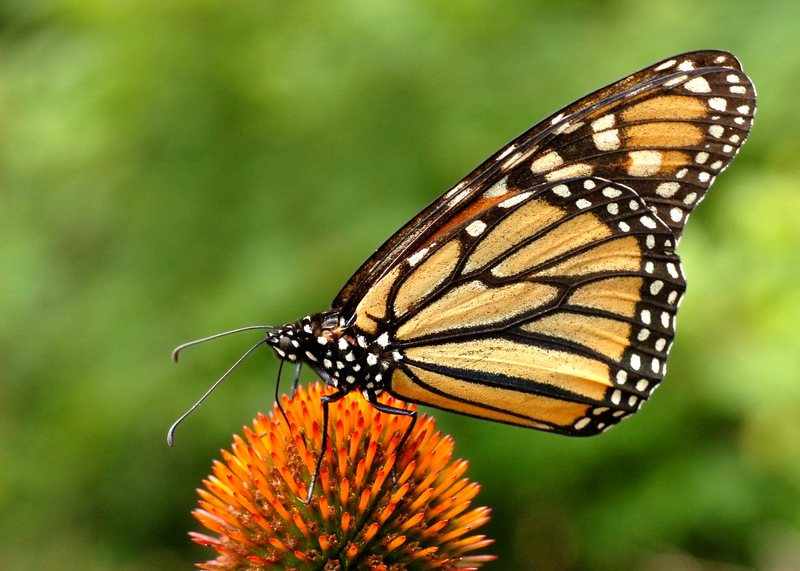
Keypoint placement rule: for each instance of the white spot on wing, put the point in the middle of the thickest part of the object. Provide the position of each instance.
(718, 103)
(548, 162)
(505, 153)
(514, 200)
(603, 123)
(417, 256)
(497, 189)
(667, 189)
(607, 140)
(561, 190)
(672, 270)
(644, 163)
(647, 222)
(697, 85)
(675, 81)
(576, 170)
(476, 228)
(455, 189)
(513, 160)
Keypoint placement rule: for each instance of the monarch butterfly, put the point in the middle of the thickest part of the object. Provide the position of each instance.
(542, 289)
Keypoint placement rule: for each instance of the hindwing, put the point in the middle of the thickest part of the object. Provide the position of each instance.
(563, 325)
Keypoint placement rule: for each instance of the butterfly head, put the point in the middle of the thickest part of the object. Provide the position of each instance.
(290, 341)
(326, 344)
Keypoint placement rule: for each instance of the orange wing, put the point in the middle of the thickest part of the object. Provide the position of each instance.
(665, 131)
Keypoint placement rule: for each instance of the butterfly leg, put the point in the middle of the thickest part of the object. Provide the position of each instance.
(296, 380)
(326, 401)
(394, 410)
(295, 383)
(278, 392)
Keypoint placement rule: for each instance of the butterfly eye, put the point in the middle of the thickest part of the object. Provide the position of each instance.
(285, 344)
(330, 322)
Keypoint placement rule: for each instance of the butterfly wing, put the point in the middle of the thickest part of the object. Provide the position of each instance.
(542, 289)
(552, 309)
(665, 131)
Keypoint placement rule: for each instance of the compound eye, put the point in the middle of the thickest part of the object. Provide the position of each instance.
(285, 344)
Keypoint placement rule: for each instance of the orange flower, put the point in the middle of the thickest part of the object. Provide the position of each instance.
(358, 518)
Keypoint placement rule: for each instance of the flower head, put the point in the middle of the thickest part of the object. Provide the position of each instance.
(358, 517)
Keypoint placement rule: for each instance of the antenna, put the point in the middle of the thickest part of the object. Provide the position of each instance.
(180, 348)
(171, 431)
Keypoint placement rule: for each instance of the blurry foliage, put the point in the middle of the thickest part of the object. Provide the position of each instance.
(172, 169)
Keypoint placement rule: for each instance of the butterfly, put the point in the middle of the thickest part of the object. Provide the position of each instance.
(542, 289)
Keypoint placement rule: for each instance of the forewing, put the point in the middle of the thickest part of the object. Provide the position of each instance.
(665, 131)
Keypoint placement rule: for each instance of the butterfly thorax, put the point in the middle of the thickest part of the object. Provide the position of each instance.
(330, 348)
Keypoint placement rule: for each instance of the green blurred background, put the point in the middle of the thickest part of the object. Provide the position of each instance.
(178, 168)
